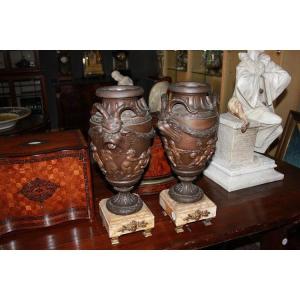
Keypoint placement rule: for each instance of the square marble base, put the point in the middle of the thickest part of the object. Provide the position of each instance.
(117, 225)
(240, 176)
(184, 213)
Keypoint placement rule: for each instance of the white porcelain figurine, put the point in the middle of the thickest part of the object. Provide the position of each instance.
(121, 79)
(259, 81)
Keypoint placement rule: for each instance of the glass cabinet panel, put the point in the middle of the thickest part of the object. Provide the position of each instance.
(2, 61)
(29, 94)
(5, 95)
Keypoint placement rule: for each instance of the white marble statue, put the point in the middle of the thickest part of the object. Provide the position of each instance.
(121, 79)
(259, 81)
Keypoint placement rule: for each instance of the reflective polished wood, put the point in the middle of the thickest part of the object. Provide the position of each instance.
(260, 210)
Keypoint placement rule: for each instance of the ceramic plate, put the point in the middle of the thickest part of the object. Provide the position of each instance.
(9, 116)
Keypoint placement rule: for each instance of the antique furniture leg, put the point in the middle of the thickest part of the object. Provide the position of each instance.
(147, 233)
(179, 229)
(207, 222)
(115, 241)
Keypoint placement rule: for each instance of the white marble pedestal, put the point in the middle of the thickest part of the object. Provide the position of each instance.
(235, 165)
(184, 213)
(116, 225)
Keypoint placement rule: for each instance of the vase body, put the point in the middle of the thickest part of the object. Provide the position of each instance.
(188, 124)
(121, 132)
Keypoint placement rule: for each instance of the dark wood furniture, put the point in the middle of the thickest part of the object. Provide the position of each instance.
(30, 124)
(19, 61)
(75, 100)
(269, 211)
(291, 124)
(45, 180)
(22, 82)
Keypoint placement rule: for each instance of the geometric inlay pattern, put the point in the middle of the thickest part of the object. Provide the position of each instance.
(39, 189)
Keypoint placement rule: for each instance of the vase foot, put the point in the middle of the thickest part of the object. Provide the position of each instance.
(124, 203)
(186, 192)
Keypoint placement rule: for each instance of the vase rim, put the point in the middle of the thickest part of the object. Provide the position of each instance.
(119, 91)
(191, 87)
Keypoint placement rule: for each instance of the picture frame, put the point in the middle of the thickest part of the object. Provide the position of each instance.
(288, 149)
(23, 60)
(92, 63)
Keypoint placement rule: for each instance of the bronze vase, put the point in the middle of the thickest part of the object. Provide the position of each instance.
(121, 132)
(188, 124)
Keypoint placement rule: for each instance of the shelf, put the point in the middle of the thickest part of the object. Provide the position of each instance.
(206, 74)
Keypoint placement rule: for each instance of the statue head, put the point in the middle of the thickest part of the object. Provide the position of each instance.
(254, 54)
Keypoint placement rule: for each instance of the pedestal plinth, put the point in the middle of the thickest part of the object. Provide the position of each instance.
(236, 177)
(184, 213)
(117, 225)
(235, 165)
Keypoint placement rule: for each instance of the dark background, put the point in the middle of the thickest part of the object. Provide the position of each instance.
(142, 65)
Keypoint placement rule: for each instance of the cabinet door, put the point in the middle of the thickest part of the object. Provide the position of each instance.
(29, 94)
(6, 98)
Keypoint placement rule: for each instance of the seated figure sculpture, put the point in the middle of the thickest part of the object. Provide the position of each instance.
(249, 127)
(259, 81)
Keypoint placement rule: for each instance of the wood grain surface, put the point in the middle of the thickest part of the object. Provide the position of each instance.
(261, 209)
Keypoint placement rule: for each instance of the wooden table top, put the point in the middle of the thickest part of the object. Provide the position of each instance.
(239, 214)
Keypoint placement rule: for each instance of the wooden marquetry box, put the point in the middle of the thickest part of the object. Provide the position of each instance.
(45, 179)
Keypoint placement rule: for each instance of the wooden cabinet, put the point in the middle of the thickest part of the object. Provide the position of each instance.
(45, 180)
(222, 83)
(21, 81)
(74, 102)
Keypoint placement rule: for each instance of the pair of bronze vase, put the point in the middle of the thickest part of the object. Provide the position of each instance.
(121, 132)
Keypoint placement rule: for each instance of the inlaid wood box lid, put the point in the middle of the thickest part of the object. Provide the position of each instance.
(33, 144)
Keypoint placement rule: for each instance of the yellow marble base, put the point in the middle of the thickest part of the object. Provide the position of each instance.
(117, 225)
(184, 213)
